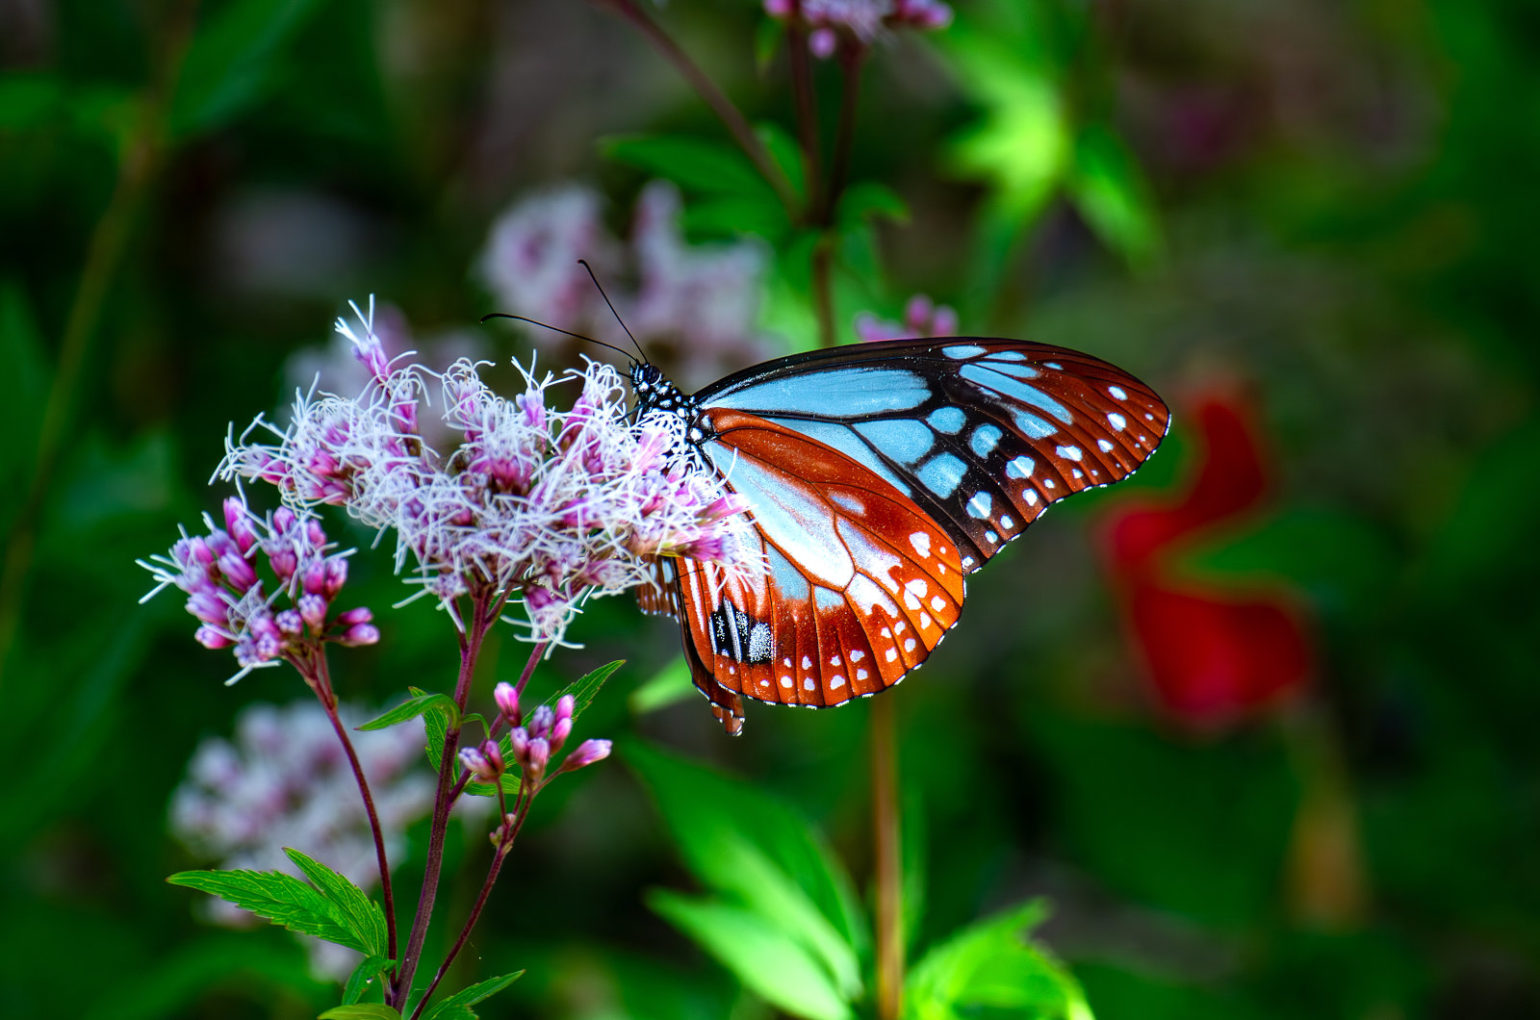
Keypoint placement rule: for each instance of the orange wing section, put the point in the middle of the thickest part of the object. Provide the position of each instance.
(854, 589)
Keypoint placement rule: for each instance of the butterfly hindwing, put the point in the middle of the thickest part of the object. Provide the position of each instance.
(852, 587)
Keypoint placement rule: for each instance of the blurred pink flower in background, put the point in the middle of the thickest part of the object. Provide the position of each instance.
(698, 301)
(284, 781)
(1213, 653)
(922, 318)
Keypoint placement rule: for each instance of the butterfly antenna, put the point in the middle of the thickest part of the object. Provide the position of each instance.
(557, 329)
(606, 297)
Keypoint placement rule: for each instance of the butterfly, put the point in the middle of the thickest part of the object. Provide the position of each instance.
(878, 477)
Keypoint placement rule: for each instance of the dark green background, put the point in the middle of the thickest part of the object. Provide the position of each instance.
(1332, 201)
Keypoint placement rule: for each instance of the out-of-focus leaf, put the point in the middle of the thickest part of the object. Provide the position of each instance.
(233, 56)
(29, 101)
(465, 998)
(183, 975)
(1021, 144)
(364, 918)
(361, 1011)
(413, 707)
(711, 817)
(21, 412)
(990, 968)
(280, 898)
(1110, 193)
(695, 164)
(767, 961)
(1118, 991)
(365, 978)
(868, 200)
(759, 215)
(787, 154)
(667, 686)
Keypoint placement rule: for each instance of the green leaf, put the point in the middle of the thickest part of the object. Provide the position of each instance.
(363, 978)
(767, 961)
(435, 725)
(459, 1003)
(361, 1011)
(1110, 193)
(585, 688)
(786, 154)
(21, 351)
(282, 899)
(733, 215)
(991, 966)
(667, 686)
(708, 167)
(363, 916)
(231, 60)
(867, 200)
(735, 837)
(413, 707)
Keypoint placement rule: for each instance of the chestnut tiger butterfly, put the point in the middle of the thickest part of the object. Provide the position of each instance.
(878, 476)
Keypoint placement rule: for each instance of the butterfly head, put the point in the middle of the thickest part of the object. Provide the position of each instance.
(656, 392)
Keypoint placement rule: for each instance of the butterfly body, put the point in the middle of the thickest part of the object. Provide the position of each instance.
(878, 477)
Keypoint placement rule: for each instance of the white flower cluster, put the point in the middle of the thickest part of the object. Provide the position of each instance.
(551, 507)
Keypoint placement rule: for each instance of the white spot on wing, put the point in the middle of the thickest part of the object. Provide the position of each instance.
(980, 504)
(1069, 452)
(1117, 421)
(1117, 392)
(921, 542)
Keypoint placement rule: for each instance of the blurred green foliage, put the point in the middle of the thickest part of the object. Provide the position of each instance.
(1327, 202)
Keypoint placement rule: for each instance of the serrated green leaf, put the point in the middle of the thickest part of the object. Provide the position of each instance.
(363, 916)
(362, 979)
(695, 164)
(411, 708)
(770, 963)
(231, 60)
(465, 998)
(361, 1011)
(585, 688)
(435, 726)
(277, 897)
(991, 965)
(710, 817)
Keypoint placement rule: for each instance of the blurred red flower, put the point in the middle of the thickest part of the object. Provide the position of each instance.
(1213, 654)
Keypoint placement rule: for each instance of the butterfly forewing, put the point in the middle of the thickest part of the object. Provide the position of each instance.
(981, 435)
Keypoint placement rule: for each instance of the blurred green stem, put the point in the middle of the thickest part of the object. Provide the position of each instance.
(736, 124)
(886, 825)
(143, 155)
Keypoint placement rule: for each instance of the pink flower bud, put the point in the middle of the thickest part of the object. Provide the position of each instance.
(237, 571)
(212, 638)
(283, 520)
(360, 634)
(493, 754)
(537, 755)
(565, 706)
(822, 42)
(540, 723)
(472, 761)
(209, 607)
(507, 698)
(315, 578)
(238, 523)
(336, 576)
(518, 743)
(290, 622)
(588, 752)
(312, 609)
(352, 616)
(560, 732)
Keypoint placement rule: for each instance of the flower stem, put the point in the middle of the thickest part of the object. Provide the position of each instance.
(328, 699)
(886, 834)
(723, 107)
(470, 648)
(511, 833)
